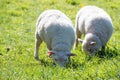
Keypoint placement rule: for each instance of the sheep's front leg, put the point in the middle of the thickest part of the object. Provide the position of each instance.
(78, 35)
(102, 52)
(38, 41)
(103, 48)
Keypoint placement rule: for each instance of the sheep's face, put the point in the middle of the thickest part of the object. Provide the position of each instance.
(90, 47)
(90, 44)
(61, 58)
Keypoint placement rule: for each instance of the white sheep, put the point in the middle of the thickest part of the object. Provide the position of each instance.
(97, 27)
(56, 30)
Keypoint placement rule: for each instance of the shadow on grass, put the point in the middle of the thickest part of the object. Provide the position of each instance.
(45, 63)
(70, 64)
(108, 53)
(73, 64)
(102, 55)
(40, 62)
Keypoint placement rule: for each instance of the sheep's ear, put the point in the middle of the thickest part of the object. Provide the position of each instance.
(80, 40)
(50, 53)
(92, 43)
(71, 54)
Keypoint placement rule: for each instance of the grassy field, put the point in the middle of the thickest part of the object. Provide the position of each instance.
(17, 29)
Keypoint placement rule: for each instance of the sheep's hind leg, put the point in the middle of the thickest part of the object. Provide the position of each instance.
(38, 41)
(78, 35)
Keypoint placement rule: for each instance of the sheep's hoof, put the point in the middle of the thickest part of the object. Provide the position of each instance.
(37, 58)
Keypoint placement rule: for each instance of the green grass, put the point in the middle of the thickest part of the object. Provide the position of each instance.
(17, 28)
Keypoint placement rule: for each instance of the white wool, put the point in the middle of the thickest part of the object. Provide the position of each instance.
(56, 30)
(94, 20)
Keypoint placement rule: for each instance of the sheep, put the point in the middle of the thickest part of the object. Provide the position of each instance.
(96, 26)
(56, 30)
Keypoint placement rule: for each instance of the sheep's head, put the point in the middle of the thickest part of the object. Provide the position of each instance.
(60, 58)
(91, 44)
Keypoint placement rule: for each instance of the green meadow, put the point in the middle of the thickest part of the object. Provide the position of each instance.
(17, 42)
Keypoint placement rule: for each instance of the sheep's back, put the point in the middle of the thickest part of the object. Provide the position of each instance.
(54, 27)
(95, 20)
